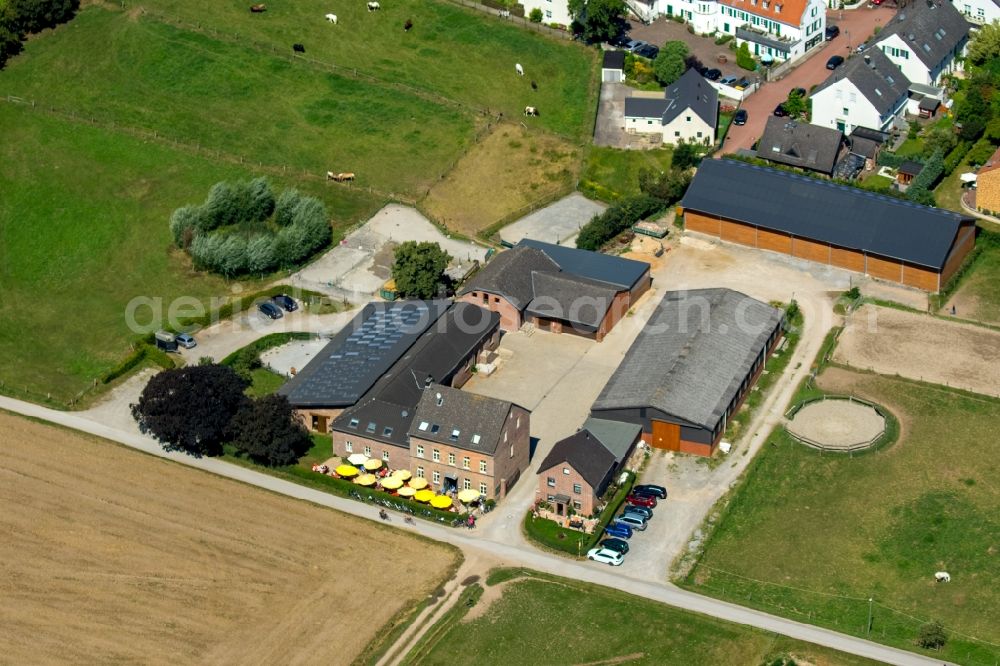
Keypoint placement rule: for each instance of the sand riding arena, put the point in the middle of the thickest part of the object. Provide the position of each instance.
(837, 423)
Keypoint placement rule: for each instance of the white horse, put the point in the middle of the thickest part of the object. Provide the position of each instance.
(332, 18)
(372, 6)
(519, 69)
(942, 577)
(530, 111)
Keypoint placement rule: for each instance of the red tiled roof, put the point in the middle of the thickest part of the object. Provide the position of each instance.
(992, 164)
(783, 11)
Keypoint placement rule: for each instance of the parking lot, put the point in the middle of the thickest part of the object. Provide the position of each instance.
(558, 222)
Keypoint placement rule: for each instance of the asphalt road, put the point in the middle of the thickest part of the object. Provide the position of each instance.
(512, 554)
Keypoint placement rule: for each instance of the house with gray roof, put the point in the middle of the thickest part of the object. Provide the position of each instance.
(925, 39)
(688, 111)
(868, 90)
(691, 367)
(558, 288)
(979, 11)
(798, 144)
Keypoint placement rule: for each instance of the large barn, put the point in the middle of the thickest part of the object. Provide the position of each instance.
(691, 367)
(832, 224)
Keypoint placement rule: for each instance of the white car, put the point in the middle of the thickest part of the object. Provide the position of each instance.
(606, 556)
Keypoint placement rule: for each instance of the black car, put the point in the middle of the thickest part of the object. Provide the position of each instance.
(650, 489)
(801, 92)
(643, 511)
(831, 32)
(834, 62)
(285, 302)
(741, 117)
(621, 41)
(617, 545)
(713, 74)
(648, 51)
(780, 111)
(270, 310)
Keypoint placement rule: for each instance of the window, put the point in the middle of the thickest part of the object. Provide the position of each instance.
(482, 467)
(385, 456)
(486, 299)
(353, 423)
(482, 488)
(420, 450)
(435, 429)
(699, 135)
(348, 447)
(436, 455)
(566, 470)
(451, 458)
(371, 427)
(496, 299)
(465, 462)
(577, 489)
(548, 14)
(577, 505)
(505, 436)
(420, 472)
(677, 133)
(437, 477)
(649, 122)
(466, 484)
(777, 9)
(853, 97)
(476, 439)
(368, 451)
(387, 431)
(687, 119)
(454, 435)
(846, 110)
(423, 426)
(511, 450)
(550, 481)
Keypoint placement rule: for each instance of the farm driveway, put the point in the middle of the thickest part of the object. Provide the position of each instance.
(609, 130)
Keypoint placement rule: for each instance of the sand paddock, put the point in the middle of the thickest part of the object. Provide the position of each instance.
(837, 424)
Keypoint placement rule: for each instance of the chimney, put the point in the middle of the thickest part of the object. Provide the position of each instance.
(440, 399)
(868, 60)
(428, 381)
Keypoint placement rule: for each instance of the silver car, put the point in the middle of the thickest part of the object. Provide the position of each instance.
(634, 521)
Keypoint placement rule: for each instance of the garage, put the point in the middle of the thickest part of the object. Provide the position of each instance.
(613, 67)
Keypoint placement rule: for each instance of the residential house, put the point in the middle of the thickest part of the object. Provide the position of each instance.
(688, 111)
(579, 468)
(866, 91)
(781, 29)
(558, 288)
(801, 145)
(925, 39)
(866, 144)
(691, 367)
(988, 185)
(979, 11)
(828, 223)
(461, 441)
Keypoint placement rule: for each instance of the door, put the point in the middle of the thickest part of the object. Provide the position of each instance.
(319, 423)
(666, 436)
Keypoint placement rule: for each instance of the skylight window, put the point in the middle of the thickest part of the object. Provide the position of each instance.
(387, 432)
(878, 92)
(371, 427)
(435, 429)
(890, 80)
(353, 423)
(927, 48)
(424, 425)
(476, 439)
(454, 435)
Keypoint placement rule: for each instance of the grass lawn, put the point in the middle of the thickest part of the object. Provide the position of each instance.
(978, 295)
(264, 382)
(83, 218)
(948, 193)
(610, 173)
(813, 536)
(548, 620)
(725, 120)
(911, 148)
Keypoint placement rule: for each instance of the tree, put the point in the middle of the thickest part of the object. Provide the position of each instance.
(670, 62)
(685, 156)
(744, 59)
(189, 409)
(418, 269)
(535, 15)
(795, 105)
(985, 45)
(939, 140)
(183, 222)
(666, 186)
(973, 112)
(268, 431)
(601, 19)
(284, 209)
(932, 636)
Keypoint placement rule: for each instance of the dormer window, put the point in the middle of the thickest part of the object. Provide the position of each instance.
(454, 435)
(371, 427)
(777, 9)
(764, 4)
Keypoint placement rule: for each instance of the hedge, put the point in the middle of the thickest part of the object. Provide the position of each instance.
(616, 219)
(258, 347)
(954, 158)
(141, 353)
(892, 160)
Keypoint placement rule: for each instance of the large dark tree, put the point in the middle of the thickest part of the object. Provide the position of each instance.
(268, 431)
(600, 20)
(418, 269)
(668, 186)
(190, 409)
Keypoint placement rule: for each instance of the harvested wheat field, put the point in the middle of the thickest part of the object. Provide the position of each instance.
(918, 346)
(109, 555)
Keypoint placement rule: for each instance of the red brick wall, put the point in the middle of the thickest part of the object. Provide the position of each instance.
(564, 486)
(510, 316)
(311, 417)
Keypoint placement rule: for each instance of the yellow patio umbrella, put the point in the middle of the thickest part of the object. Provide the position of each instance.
(346, 470)
(440, 501)
(424, 495)
(366, 480)
(407, 492)
(403, 474)
(467, 496)
(392, 482)
(418, 483)
(372, 464)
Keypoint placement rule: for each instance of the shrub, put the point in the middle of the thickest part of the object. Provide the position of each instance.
(892, 160)
(743, 58)
(955, 156)
(685, 156)
(183, 222)
(616, 219)
(723, 39)
(932, 636)
(535, 15)
(981, 151)
(928, 176)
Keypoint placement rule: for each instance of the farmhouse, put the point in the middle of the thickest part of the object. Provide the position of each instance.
(867, 91)
(558, 288)
(801, 145)
(988, 185)
(691, 367)
(925, 39)
(832, 224)
(688, 111)
(579, 468)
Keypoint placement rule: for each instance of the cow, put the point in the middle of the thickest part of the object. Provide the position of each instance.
(519, 69)
(342, 177)
(942, 577)
(257, 9)
(534, 86)
(374, 6)
(332, 18)
(298, 48)
(408, 25)
(530, 111)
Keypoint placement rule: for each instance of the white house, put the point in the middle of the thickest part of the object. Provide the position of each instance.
(924, 39)
(553, 11)
(866, 91)
(688, 111)
(979, 11)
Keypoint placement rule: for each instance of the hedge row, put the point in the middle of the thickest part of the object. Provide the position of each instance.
(143, 352)
(19, 18)
(258, 347)
(617, 219)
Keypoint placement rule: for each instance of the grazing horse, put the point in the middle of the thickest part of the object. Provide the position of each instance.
(942, 577)
(257, 9)
(519, 69)
(340, 177)
(332, 18)
(407, 25)
(530, 111)
(298, 48)
(374, 6)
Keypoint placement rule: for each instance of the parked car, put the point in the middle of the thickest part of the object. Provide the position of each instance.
(285, 302)
(633, 44)
(617, 545)
(727, 80)
(643, 511)
(641, 500)
(780, 111)
(270, 310)
(633, 521)
(741, 117)
(831, 32)
(618, 530)
(648, 51)
(621, 41)
(712, 74)
(861, 47)
(614, 558)
(834, 62)
(186, 341)
(650, 489)
(742, 83)
(801, 92)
